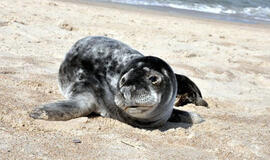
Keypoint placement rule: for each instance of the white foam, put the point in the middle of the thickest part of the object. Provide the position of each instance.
(259, 13)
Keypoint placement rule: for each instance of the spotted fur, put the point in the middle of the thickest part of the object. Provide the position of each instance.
(91, 78)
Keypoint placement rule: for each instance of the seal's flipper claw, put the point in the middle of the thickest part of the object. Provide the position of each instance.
(39, 113)
(62, 110)
(188, 92)
(201, 102)
(185, 117)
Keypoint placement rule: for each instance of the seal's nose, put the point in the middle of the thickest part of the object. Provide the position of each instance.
(126, 92)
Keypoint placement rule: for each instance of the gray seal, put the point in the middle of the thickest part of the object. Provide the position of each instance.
(107, 77)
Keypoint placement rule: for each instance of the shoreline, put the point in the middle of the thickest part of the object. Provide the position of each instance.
(168, 11)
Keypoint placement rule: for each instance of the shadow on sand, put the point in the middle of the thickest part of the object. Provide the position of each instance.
(181, 119)
(178, 119)
(174, 125)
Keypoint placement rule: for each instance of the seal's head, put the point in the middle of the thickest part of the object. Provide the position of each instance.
(147, 89)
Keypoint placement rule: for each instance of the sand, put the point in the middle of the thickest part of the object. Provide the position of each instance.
(230, 62)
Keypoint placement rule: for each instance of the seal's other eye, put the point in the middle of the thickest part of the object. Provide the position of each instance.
(122, 81)
(154, 79)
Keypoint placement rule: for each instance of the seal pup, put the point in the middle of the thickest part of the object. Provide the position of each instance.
(105, 76)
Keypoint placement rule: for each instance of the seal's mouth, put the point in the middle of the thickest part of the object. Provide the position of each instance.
(137, 109)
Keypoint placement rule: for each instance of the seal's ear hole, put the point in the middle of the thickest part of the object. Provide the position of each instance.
(155, 79)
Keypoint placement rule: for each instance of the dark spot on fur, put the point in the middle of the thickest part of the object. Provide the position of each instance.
(111, 68)
(114, 63)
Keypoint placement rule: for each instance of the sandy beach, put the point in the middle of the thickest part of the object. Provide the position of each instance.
(230, 62)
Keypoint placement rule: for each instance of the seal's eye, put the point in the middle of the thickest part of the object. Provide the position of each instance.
(154, 79)
(122, 81)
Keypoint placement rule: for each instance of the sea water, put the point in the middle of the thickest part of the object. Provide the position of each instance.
(247, 10)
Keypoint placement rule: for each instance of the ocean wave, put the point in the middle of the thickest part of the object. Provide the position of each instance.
(260, 13)
(255, 12)
(202, 8)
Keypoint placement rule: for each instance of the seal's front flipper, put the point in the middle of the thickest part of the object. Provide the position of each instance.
(188, 92)
(63, 110)
(185, 117)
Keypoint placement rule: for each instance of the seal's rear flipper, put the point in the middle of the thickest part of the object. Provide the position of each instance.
(188, 92)
(63, 110)
(185, 117)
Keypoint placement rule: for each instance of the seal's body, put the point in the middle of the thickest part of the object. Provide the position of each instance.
(105, 76)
